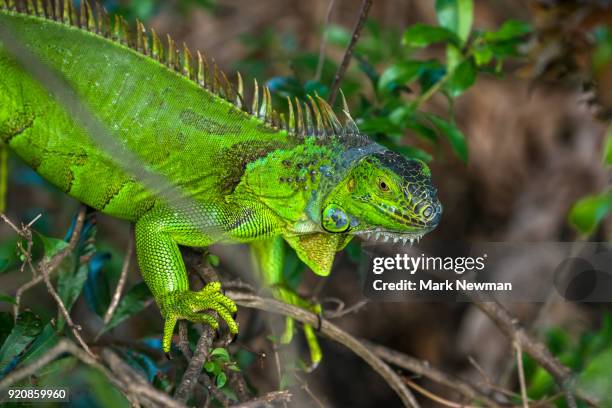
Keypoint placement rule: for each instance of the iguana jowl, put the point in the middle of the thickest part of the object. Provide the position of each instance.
(258, 176)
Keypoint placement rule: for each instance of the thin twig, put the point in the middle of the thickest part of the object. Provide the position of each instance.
(342, 311)
(363, 15)
(122, 279)
(488, 381)
(238, 384)
(194, 368)
(333, 332)
(214, 391)
(470, 391)
(319, 71)
(10, 223)
(47, 266)
(266, 399)
(306, 388)
(532, 346)
(66, 346)
(521, 373)
(136, 383)
(434, 397)
(183, 343)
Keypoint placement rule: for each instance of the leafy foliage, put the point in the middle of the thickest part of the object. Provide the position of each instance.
(589, 212)
(590, 355)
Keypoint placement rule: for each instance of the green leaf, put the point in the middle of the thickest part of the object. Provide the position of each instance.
(457, 16)
(462, 78)
(47, 339)
(70, 285)
(453, 134)
(510, 30)
(607, 156)
(401, 73)
(28, 326)
(483, 55)
(6, 325)
(3, 264)
(422, 35)
(221, 380)
(454, 56)
(595, 378)
(51, 245)
(7, 299)
(587, 213)
(220, 354)
(338, 35)
(210, 367)
(133, 302)
(213, 260)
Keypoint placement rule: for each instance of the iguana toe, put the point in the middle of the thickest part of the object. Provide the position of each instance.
(194, 306)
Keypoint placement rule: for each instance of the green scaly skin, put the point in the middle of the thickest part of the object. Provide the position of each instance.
(260, 179)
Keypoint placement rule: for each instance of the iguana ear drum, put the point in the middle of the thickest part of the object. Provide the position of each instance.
(334, 219)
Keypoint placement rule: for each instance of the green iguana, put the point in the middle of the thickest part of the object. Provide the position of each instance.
(246, 170)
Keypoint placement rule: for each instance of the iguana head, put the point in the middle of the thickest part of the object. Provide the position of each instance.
(385, 196)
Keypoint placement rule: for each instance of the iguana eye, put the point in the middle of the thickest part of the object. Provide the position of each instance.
(383, 186)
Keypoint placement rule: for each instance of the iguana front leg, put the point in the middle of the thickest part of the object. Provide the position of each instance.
(158, 234)
(269, 259)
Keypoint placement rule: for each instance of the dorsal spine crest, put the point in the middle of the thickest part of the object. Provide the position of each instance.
(312, 117)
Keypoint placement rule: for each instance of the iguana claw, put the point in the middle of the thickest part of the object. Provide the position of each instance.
(192, 306)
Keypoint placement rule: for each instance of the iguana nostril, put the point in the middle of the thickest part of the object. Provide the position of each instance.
(428, 211)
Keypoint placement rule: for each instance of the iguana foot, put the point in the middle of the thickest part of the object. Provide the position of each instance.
(192, 306)
(293, 298)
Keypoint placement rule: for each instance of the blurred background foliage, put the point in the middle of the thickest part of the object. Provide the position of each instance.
(500, 165)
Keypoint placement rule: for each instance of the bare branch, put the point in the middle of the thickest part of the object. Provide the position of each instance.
(63, 346)
(471, 391)
(266, 400)
(330, 7)
(48, 266)
(194, 368)
(521, 373)
(122, 279)
(333, 332)
(434, 397)
(214, 391)
(136, 383)
(532, 346)
(363, 15)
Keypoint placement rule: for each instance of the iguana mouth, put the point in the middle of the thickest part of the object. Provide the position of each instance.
(378, 234)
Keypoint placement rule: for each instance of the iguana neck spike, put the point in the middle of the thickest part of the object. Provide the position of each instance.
(318, 123)
(350, 127)
(171, 57)
(239, 102)
(291, 124)
(187, 67)
(299, 129)
(255, 103)
(227, 87)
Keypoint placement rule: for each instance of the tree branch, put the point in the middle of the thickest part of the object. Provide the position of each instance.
(532, 346)
(333, 332)
(194, 368)
(122, 279)
(266, 399)
(470, 391)
(363, 15)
